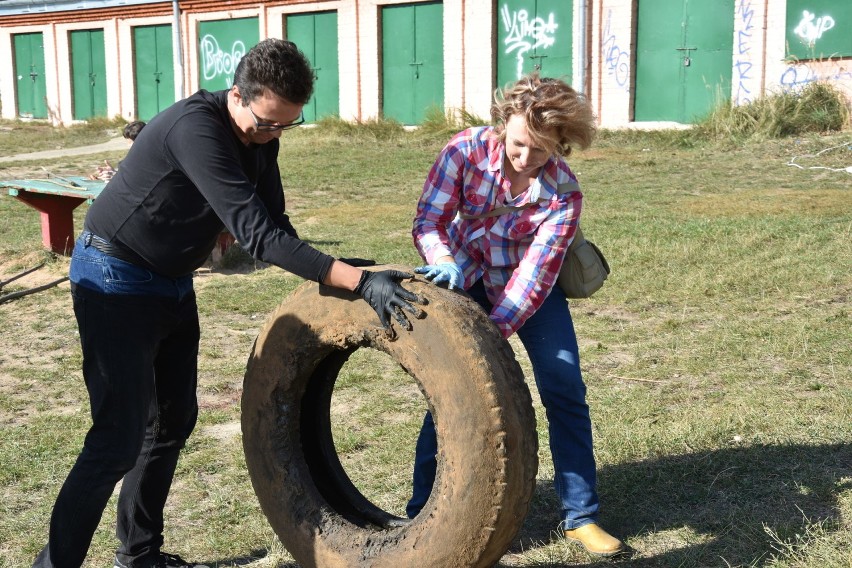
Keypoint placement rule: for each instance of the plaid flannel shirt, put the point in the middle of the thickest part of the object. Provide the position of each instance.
(517, 254)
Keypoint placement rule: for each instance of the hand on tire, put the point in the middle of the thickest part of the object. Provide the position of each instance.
(384, 293)
(449, 272)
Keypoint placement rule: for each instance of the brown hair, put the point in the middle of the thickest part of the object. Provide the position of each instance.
(557, 116)
(132, 130)
(276, 65)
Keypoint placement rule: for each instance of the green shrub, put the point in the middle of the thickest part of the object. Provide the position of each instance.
(663, 138)
(375, 128)
(816, 108)
(447, 123)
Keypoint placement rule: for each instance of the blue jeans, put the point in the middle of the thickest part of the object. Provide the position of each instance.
(551, 344)
(139, 334)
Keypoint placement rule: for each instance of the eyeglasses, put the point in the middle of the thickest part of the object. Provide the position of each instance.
(273, 126)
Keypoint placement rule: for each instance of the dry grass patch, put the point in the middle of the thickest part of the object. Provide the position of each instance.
(814, 202)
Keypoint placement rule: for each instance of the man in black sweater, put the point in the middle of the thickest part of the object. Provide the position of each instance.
(208, 162)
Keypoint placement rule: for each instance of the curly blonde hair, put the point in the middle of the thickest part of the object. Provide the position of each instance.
(558, 117)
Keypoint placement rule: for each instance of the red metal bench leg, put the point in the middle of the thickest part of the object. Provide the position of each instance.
(57, 219)
(224, 242)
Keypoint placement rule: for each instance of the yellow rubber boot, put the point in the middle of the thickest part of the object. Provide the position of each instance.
(596, 540)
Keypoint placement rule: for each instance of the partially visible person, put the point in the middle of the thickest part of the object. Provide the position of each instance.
(508, 262)
(130, 132)
(206, 163)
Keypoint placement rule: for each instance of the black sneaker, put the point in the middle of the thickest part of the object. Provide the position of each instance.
(168, 561)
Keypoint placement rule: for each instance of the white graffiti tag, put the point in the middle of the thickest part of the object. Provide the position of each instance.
(524, 34)
(810, 30)
(215, 62)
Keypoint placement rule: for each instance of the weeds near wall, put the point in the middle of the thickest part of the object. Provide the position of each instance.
(437, 125)
(818, 107)
(375, 128)
(447, 123)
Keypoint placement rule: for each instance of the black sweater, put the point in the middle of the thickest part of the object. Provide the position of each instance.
(186, 177)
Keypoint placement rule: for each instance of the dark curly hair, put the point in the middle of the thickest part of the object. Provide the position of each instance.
(278, 66)
(132, 130)
(557, 116)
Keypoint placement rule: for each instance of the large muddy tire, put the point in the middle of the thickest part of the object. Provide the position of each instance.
(487, 457)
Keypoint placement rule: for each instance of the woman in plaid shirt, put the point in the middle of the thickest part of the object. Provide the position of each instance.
(508, 262)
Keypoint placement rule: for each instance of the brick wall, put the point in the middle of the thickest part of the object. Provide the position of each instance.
(758, 64)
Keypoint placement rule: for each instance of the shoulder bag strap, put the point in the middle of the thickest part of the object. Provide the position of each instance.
(560, 189)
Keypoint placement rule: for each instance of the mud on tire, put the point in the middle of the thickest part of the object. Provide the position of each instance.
(483, 414)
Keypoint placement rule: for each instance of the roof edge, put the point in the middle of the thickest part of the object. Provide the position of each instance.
(16, 7)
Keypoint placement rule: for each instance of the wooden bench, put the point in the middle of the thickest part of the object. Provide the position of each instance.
(55, 198)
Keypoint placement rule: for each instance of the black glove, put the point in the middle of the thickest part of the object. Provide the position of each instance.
(385, 295)
(354, 261)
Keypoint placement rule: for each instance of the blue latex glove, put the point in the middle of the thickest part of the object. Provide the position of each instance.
(449, 272)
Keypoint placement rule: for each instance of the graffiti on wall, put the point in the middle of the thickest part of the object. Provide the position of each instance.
(743, 64)
(524, 33)
(811, 28)
(616, 60)
(798, 75)
(217, 63)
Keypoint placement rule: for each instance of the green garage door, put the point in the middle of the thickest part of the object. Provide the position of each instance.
(88, 74)
(155, 76)
(684, 54)
(534, 35)
(221, 45)
(29, 75)
(412, 60)
(819, 29)
(316, 36)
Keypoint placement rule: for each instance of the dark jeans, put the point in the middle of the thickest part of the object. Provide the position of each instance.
(139, 333)
(549, 339)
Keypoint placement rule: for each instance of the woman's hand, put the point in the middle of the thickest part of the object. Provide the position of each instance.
(441, 272)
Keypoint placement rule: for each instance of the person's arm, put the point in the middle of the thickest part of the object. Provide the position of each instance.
(341, 275)
(200, 146)
(438, 204)
(205, 153)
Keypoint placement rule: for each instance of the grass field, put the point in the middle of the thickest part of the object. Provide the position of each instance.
(717, 355)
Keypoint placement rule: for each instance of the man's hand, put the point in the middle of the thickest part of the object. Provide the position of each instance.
(449, 272)
(384, 293)
(103, 173)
